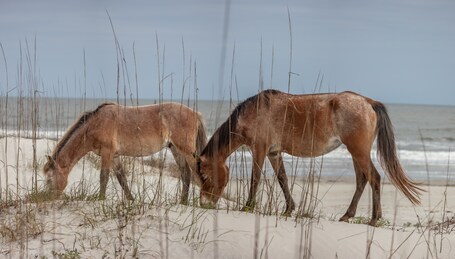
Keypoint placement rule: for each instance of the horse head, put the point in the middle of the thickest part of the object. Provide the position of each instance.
(214, 176)
(56, 178)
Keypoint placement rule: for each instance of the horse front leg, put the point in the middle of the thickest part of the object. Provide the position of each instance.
(278, 166)
(258, 161)
(106, 163)
(104, 178)
(121, 178)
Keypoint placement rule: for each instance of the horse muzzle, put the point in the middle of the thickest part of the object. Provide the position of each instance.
(206, 202)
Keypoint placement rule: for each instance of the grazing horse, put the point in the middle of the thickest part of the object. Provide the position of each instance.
(311, 125)
(112, 130)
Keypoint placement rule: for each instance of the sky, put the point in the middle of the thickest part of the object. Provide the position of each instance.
(400, 51)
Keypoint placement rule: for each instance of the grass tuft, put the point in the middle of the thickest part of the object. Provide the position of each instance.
(365, 220)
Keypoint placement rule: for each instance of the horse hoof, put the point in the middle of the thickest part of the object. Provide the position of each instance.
(289, 209)
(287, 213)
(373, 222)
(344, 219)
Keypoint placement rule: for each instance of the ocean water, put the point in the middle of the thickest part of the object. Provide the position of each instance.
(425, 135)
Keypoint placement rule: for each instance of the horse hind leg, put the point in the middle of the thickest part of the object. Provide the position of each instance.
(277, 164)
(375, 182)
(120, 174)
(374, 179)
(361, 181)
(370, 174)
(185, 174)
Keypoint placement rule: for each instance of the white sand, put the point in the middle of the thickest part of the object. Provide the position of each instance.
(175, 231)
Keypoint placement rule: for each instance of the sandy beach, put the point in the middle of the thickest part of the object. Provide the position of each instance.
(156, 226)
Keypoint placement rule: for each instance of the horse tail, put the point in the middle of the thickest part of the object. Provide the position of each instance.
(387, 155)
(201, 137)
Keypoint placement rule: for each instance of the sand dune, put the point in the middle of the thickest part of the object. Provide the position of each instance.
(156, 227)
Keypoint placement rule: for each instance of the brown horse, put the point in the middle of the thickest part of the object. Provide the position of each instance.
(112, 130)
(312, 125)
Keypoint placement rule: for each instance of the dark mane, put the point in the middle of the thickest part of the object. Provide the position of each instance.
(82, 120)
(221, 137)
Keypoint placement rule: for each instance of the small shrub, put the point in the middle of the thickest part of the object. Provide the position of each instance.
(67, 254)
(407, 224)
(365, 220)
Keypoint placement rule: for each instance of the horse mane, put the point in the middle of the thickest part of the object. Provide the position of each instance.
(79, 123)
(221, 137)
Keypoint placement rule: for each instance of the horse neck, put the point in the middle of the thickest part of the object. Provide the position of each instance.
(222, 150)
(72, 151)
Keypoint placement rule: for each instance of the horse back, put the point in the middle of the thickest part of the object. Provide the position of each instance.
(310, 125)
(135, 130)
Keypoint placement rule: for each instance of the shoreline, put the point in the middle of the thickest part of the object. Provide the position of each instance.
(337, 165)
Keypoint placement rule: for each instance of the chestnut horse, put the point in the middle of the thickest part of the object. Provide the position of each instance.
(112, 130)
(312, 125)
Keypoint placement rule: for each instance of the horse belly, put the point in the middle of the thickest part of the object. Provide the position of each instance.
(143, 147)
(315, 148)
(333, 144)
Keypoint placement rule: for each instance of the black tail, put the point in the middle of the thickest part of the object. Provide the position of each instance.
(387, 155)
